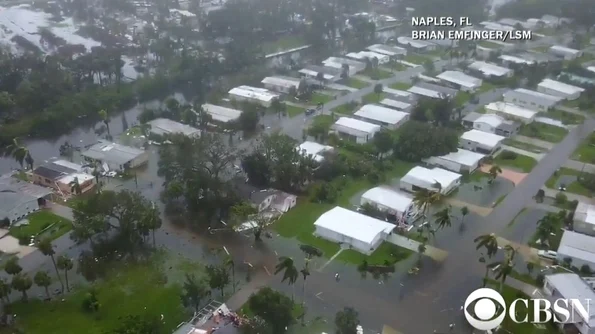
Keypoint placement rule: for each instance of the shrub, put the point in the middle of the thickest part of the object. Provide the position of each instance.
(561, 198)
(508, 155)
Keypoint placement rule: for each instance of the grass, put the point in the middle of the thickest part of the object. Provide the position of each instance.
(317, 98)
(487, 44)
(353, 82)
(283, 43)
(377, 74)
(565, 117)
(500, 199)
(386, 252)
(462, 98)
(346, 109)
(120, 295)
(416, 59)
(299, 221)
(553, 180)
(400, 85)
(51, 225)
(485, 87)
(577, 188)
(524, 146)
(524, 277)
(553, 240)
(546, 132)
(521, 162)
(586, 150)
(397, 66)
(477, 176)
(293, 110)
(373, 97)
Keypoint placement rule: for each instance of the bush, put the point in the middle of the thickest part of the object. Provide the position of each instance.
(508, 155)
(561, 198)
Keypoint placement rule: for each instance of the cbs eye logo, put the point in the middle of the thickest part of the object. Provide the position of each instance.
(482, 308)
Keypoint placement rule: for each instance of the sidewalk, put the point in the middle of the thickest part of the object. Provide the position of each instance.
(580, 166)
(536, 156)
(364, 78)
(571, 197)
(526, 288)
(534, 141)
(573, 110)
(401, 241)
(336, 86)
(480, 210)
(61, 210)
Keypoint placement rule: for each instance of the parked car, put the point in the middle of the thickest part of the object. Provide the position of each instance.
(552, 255)
(310, 111)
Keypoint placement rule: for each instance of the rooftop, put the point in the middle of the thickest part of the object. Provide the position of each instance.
(447, 91)
(577, 245)
(560, 87)
(412, 42)
(221, 114)
(314, 149)
(353, 225)
(356, 124)
(425, 92)
(340, 60)
(538, 95)
(491, 119)
(256, 93)
(80, 177)
(164, 126)
(460, 78)
(112, 152)
(585, 212)
(387, 49)
(10, 183)
(511, 109)
(324, 69)
(363, 55)
(10, 199)
(516, 60)
(442, 176)
(398, 92)
(464, 157)
(488, 139)
(55, 169)
(395, 104)
(472, 116)
(572, 286)
(286, 82)
(560, 48)
(489, 68)
(381, 114)
(388, 197)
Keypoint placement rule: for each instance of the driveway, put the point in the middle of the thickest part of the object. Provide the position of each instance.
(514, 177)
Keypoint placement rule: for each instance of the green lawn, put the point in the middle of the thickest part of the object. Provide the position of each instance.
(565, 117)
(577, 188)
(134, 289)
(486, 86)
(487, 44)
(551, 182)
(353, 82)
(283, 43)
(51, 225)
(396, 66)
(299, 221)
(377, 74)
(400, 85)
(542, 131)
(416, 59)
(553, 240)
(317, 98)
(461, 98)
(524, 146)
(293, 110)
(586, 151)
(524, 277)
(373, 98)
(477, 176)
(386, 252)
(521, 162)
(346, 109)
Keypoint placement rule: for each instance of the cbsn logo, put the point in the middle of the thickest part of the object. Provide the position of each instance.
(489, 310)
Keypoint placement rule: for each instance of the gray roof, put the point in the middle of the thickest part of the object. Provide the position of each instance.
(571, 286)
(324, 69)
(508, 125)
(10, 199)
(164, 126)
(53, 170)
(578, 246)
(10, 183)
(472, 116)
(112, 152)
(438, 88)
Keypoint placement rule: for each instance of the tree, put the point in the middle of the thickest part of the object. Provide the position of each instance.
(248, 120)
(346, 321)
(423, 200)
(344, 71)
(320, 78)
(429, 66)
(22, 283)
(275, 308)
(152, 222)
(464, 213)
(12, 266)
(443, 218)
(494, 171)
(530, 267)
(290, 272)
(218, 277)
(378, 91)
(230, 264)
(540, 195)
(19, 153)
(421, 250)
(105, 119)
(413, 144)
(5, 289)
(66, 264)
(135, 324)
(311, 251)
(383, 141)
(43, 280)
(489, 242)
(278, 107)
(91, 302)
(504, 267)
(546, 226)
(46, 248)
(194, 291)
(75, 186)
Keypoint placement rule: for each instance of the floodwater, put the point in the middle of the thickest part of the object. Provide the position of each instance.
(481, 193)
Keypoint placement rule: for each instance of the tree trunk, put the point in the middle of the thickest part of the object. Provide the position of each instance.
(47, 292)
(221, 292)
(485, 277)
(257, 234)
(233, 277)
(57, 272)
(66, 278)
(25, 297)
(154, 244)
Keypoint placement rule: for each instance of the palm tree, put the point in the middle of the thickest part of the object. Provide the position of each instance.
(46, 248)
(320, 78)
(494, 171)
(43, 280)
(290, 272)
(483, 260)
(421, 250)
(378, 89)
(19, 153)
(229, 263)
(277, 106)
(5, 290)
(305, 273)
(12, 266)
(443, 218)
(22, 283)
(489, 242)
(546, 226)
(75, 186)
(65, 264)
(193, 292)
(505, 267)
(423, 199)
(105, 119)
(464, 213)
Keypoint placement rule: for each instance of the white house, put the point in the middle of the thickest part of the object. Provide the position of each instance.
(369, 55)
(557, 88)
(221, 114)
(491, 123)
(511, 111)
(386, 117)
(489, 70)
(360, 232)
(398, 105)
(392, 202)
(261, 96)
(564, 52)
(488, 123)
(400, 94)
(584, 219)
(460, 80)
(417, 45)
(507, 60)
(580, 248)
(330, 74)
(314, 150)
(337, 62)
(116, 157)
(354, 129)
(16, 205)
(572, 286)
(281, 84)
(459, 161)
(479, 141)
(531, 99)
(424, 178)
(391, 51)
(164, 126)
(424, 92)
